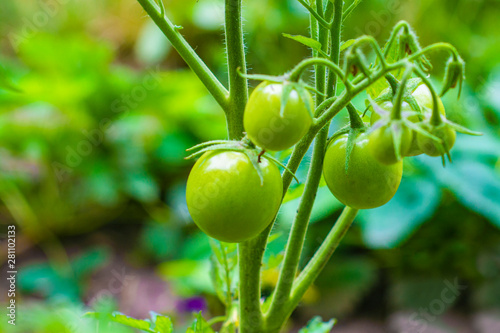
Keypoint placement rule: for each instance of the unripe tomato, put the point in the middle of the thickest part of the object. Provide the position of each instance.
(423, 96)
(381, 144)
(432, 148)
(367, 183)
(226, 199)
(387, 105)
(266, 127)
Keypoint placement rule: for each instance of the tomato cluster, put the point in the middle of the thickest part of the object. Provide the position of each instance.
(369, 175)
(233, 197)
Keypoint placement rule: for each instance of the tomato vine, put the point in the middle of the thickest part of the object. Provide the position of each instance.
(402, 62)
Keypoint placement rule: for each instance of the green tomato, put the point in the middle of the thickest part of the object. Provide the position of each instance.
(433, 148)
(405, 109)
(381, 143)
(226, 199)
(266, 127)
(367, 182)
(423, 96)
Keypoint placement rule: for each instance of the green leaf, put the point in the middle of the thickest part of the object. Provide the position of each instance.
(388, 226)
(120, 318)
(200, 325)
(223, 261)
(465, 175)
(307, 41)
(162, 324)
(316, 325)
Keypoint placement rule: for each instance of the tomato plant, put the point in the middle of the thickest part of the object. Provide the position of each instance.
(226, 198)
(234, 189)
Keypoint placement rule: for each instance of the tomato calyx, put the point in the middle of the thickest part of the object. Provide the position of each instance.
(389, 94)
(244, 146)
(355, 128)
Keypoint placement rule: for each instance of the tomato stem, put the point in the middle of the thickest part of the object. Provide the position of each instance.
(276, 317)
(436, 116)
(238, 84)
(216, 89)
(393, 83)
(400, 92)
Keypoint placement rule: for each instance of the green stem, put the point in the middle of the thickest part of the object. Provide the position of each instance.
(373, 43)
(301, 221)
(436, 115)
(250, 252)
(238, 85)
(322, 255)
(299, 228)
(216, 89)
(335, 35)
(302, 66)
(314, 267)
(315, 14)
(400, 92)
(249, 261)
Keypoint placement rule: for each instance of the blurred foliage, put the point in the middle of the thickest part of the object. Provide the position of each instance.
(95, 142)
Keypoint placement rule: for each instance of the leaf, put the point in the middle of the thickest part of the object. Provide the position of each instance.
(157, 324)
(475, 185)
(120, 318)
(307, 41)
(199, 325)
(316, 325)
(162, 324)
(388, 226)
(223, 261)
